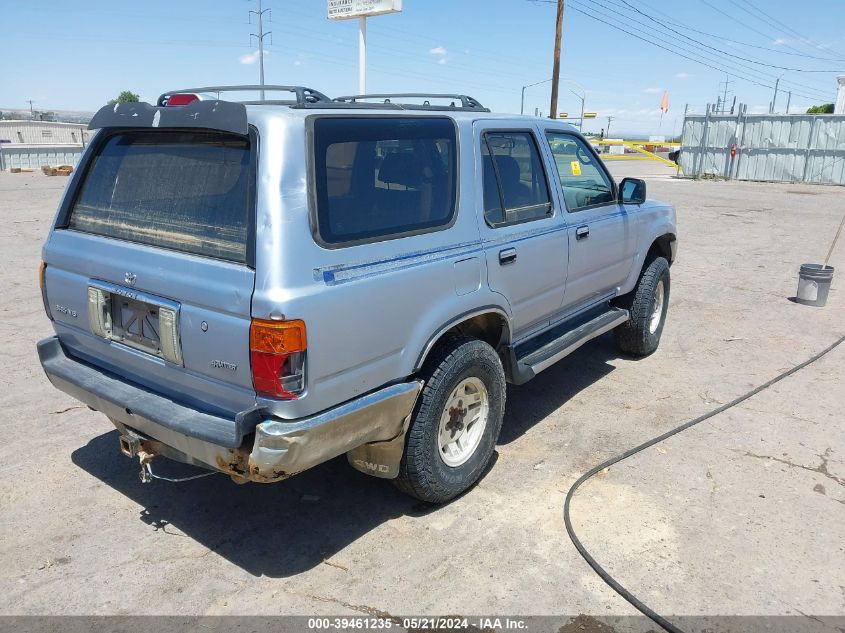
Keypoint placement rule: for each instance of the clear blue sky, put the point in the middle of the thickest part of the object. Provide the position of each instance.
(77, 54)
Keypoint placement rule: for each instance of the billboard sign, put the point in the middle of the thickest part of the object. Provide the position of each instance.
(346, 9)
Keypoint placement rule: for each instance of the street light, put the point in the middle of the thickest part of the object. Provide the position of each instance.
(522, 101)
(582, 96)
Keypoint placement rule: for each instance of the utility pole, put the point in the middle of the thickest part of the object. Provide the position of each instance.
(775, 98)
(556, 67)
(31, 113)
(788, 101)
(724, 101)
(260, 37)
(607, 129)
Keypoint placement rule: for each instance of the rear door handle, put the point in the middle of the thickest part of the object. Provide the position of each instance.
(582, 232)
(507, 256)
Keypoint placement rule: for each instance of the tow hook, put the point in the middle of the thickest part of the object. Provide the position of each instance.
(146, 474)
(131, 445)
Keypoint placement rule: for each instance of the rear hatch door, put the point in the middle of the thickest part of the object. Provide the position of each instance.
(150, 267)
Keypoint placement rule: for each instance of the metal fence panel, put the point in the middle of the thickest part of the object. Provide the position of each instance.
(770, 147)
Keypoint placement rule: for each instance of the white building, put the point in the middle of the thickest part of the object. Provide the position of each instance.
(32, 144)
(44, 133)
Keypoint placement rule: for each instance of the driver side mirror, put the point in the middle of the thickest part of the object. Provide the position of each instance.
(632, 191)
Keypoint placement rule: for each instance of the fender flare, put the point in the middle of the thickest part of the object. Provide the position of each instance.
(656, 232)
(445, 327)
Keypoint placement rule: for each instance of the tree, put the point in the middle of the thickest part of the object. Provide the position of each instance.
(127, 96)
(825, 108)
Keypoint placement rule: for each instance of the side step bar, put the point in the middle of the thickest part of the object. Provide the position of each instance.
(527, 363)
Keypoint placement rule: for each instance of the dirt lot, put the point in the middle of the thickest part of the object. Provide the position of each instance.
(744, 514)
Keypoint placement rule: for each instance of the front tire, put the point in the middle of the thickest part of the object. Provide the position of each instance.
(456, 421)
(647, 304)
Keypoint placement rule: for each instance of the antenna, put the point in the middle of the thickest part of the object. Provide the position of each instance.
(260, 37)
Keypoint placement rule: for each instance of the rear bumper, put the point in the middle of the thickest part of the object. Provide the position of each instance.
(252, 445)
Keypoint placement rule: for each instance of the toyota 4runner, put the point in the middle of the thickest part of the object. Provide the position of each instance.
(256, 287)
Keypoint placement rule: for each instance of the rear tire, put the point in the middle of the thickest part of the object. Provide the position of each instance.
(647, 304)
(456, 421)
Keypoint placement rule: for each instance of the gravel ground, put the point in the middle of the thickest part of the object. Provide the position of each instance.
(741, 515)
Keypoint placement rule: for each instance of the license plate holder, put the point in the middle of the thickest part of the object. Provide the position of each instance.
(135, 319)
(136, 323)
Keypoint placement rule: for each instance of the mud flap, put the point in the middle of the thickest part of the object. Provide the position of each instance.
(380, 459)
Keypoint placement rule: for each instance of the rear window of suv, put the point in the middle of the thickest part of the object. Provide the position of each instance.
(185, 191)
(377, 178)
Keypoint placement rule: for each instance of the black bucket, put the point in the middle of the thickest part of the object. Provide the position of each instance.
(814, 284)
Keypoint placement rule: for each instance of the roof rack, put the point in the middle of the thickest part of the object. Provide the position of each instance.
(387, 101)
(302, 96)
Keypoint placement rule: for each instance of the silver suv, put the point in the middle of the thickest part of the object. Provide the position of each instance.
(256, 287)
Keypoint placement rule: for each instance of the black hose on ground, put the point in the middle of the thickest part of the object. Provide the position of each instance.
(610, 580)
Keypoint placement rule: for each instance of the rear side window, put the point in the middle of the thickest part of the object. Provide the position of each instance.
(382, 177)
(186, 191)
(515, 187)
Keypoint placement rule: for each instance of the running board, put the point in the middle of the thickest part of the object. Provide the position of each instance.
(572, 336)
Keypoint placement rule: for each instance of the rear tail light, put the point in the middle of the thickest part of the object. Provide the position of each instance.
(168, 329)
(277, 351)
(42, 282)
(181, 99)
(99, 312)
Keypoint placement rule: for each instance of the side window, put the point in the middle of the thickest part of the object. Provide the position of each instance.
(514, 181)
(584, 181)
(382, 177)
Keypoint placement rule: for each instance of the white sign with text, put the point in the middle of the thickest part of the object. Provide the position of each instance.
(345, 9)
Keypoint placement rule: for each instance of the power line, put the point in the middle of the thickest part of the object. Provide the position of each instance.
(404, 35)
(730, 62)
(393, 51)
(671, 20)
(777, 24)
(768, 36)
(344, 61)
(666, 48)
(768, 21)
(743, 66)
(750, 74)
(718, 50)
